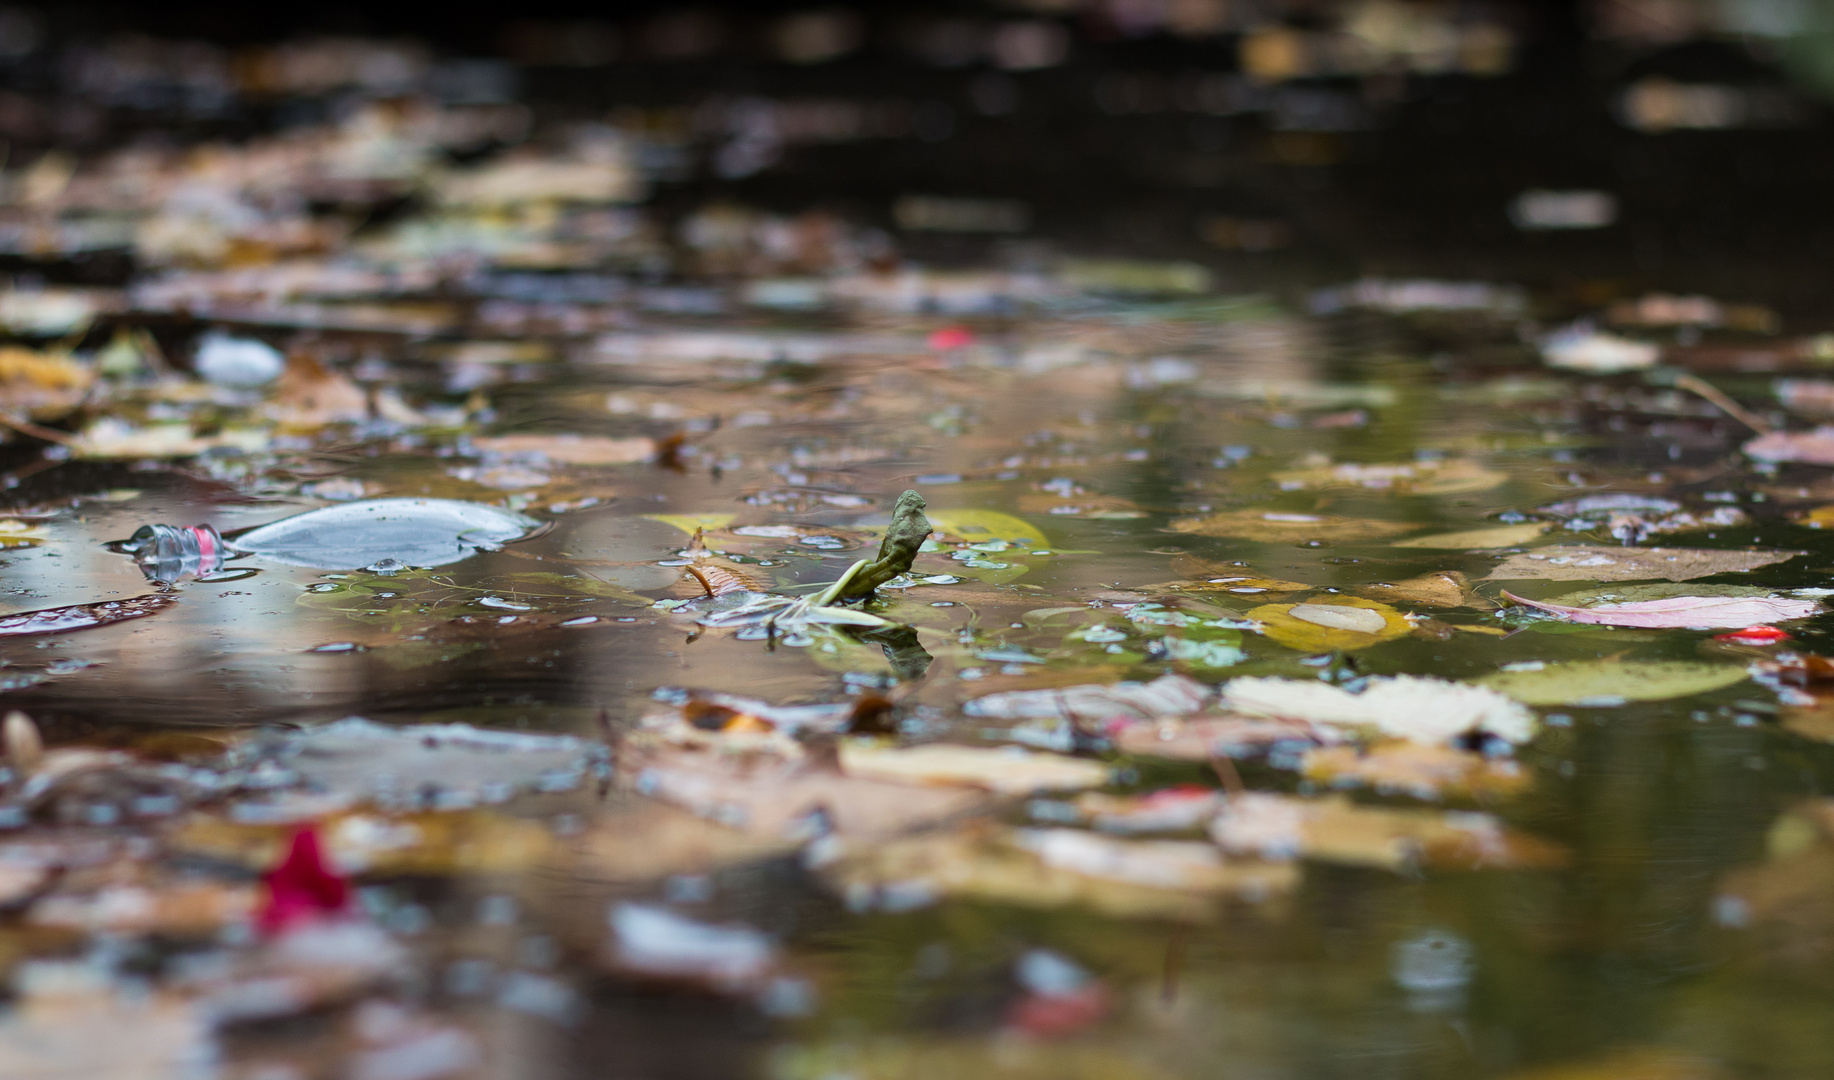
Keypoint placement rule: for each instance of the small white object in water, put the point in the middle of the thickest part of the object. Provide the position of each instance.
(1581, 348)
(242, 363)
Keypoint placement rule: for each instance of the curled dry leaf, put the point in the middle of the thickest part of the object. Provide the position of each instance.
(1336, 830)
(1401, 706)
(1331, 622)
(83, 616)
(1682, 612)
(1276, 527)
(1477, 539)
(1425, 771)
(1610, 682)
(1051, 868)
(1576, 562)
(571, 449)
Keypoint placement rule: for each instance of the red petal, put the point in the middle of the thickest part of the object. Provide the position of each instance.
(302, 886)
(1754, 635)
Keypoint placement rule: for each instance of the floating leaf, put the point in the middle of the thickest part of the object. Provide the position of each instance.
(1477, 539)
(1336, 830)
(1004, 770)
(1046, 868)
(1205, 737)
(1401, 706)
(1805, 447)
(1333, 622)
(1432, 477)
(692, 523)
(1096, 707)
(1600, 682)
(1274, 527)
(1682, 612)
(979, 526)
(1446, 588)
(1425, 771)
(1572, 562)
(571, 449)
(42, 386)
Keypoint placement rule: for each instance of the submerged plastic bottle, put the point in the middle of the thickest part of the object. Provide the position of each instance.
(396, 533)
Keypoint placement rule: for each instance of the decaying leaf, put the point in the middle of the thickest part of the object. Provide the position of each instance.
(571, 449)
(1401, 706)
(1096, 707)
(1336, 830)
(1682, 612)
(1446, 588)
(1477, 539)
(1331, 622)
(308, 395)
(1574, 562)
(1051, 868)
(1203, 738)
(41, 386)
(1610, 682)
(1432, 477)
(1176, 809)
(1425, 771)
(435, 766)
(83, 616)
(980, 526)
(776, 797)
(1006, 770)
(1805, 447)
(907, 532)
(1276, 527)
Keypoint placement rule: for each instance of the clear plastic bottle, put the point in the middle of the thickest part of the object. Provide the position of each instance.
(396, 533)
(166, 553)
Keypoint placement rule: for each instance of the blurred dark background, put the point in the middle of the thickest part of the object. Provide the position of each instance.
(1594, 148)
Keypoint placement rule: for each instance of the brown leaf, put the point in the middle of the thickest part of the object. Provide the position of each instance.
(1445, 588)
(1204, 738)
(308, 395)
(572, 449)
(1336, 830)
(1578, 562)
(42, 386)
(1425, 771)
(1276, 527)
(1806, 447)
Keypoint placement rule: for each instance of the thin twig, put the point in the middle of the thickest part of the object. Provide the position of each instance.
(26, 427)
(1225, 771)
(1731, 408)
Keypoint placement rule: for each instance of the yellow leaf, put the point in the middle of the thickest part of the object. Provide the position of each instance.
(1274, 527)
(689, 522)
(1503, 536)
(1330, 622)
(977, 526)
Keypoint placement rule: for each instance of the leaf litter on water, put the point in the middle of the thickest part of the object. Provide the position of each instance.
(1692, 612)
(1573, 562)
(1610, 682)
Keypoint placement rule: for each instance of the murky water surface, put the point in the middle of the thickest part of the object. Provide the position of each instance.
(1123, 487)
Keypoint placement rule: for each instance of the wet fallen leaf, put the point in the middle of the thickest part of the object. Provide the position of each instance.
(112, 437)
(438, 843)
(1446, 588)
(308, 395)
(1602, 682)
(1050, 868)
(1432, 477)
(1572, 562)
(41, 386)
(775, 797)
(1424, 771)
(1003, 770)
(1477, 539)
(1204, 738)
(1331, 622)
(1175, 809)
(183, 908)
(1095, 707)
(571, 449)
(639, 840)
(1335, 830)
(432, 766)
(1681, 612)
(980, 526)
(83, 616)
(1805, 447)
(1401, 706)
(1275, 527)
